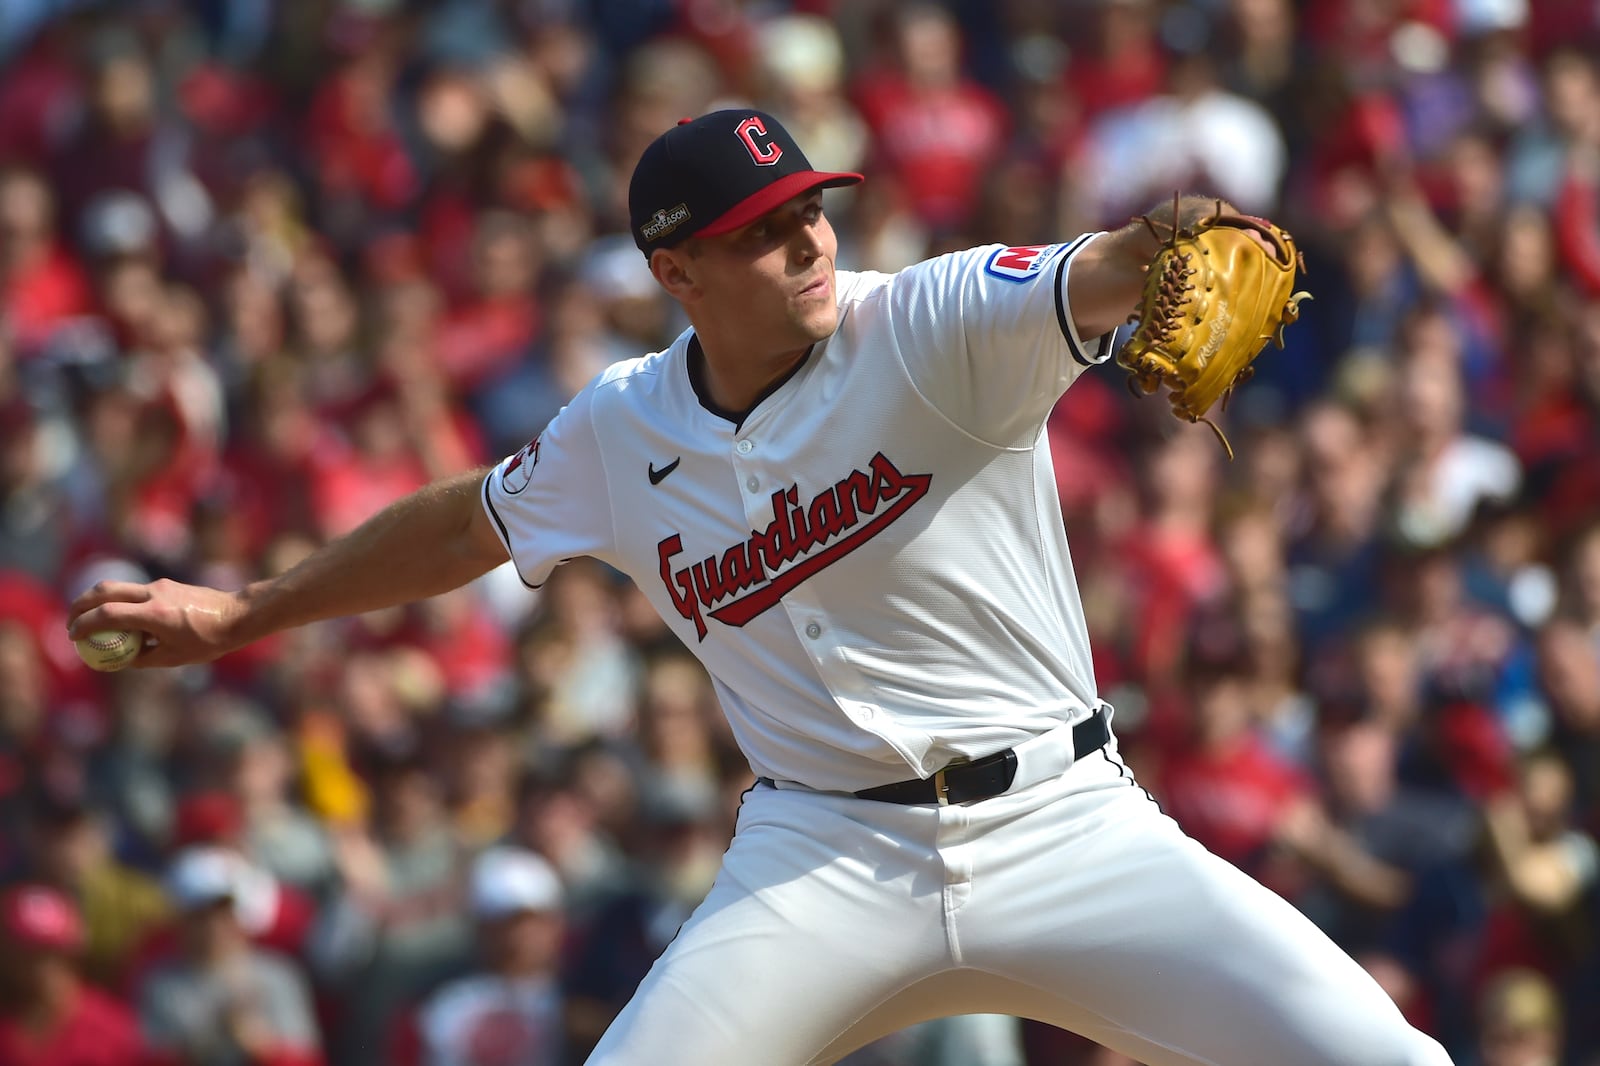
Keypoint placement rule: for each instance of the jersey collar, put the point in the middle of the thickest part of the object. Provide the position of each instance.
(694, 365)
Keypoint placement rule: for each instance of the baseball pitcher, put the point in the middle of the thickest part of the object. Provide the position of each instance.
(836, 488)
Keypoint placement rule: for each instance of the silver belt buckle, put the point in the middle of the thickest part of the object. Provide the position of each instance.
(941, 787)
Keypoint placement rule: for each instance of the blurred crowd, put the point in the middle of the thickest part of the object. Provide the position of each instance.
(266, 266)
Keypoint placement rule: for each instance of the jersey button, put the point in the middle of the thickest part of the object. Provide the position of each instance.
(745, 447)
(752, 483)
(813, 630)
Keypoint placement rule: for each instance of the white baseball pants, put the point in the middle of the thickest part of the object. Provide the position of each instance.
(1071, 900)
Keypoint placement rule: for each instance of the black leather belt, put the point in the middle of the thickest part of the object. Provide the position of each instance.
(985, 777)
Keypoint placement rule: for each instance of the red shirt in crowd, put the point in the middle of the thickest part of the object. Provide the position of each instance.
(353, 141)
(484, 339)
(35, 300)
(39, 96)
(471, 649)
(1230, 800)
(1171, 572)
(349, 487)
(1102, 83)
(1563, 23)
(938, 142)
(40, 610)
(96, 1031)
(1360, 33)
(1577, 230)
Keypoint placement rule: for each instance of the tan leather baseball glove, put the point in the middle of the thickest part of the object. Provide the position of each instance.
(1213, 297)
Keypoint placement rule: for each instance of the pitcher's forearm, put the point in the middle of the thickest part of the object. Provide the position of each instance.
(430, 542)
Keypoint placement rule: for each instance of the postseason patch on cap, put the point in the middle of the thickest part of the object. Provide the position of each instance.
(1021, 263)
(664, 222)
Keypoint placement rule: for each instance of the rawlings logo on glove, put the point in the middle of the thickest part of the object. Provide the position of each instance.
(1212, 299)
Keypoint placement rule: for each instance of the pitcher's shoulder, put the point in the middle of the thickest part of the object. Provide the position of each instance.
(650, 382)
(642, 373)
(853, 286)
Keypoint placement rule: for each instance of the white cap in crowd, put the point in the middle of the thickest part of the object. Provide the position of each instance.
(204, 875)
(199, 877)
(507, 880)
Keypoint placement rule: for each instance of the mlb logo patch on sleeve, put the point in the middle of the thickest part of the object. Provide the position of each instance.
(1021, 263)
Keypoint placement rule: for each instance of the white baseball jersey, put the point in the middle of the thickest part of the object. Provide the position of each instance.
(872, 566)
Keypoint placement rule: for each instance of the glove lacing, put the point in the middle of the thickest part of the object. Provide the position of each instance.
(1172, 291)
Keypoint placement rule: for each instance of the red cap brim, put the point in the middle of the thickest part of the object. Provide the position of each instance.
(778, 193)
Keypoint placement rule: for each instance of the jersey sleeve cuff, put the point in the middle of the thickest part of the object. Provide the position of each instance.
(500, 527)
(1096, 350)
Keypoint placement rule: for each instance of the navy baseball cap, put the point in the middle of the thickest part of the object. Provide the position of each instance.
(715, 173)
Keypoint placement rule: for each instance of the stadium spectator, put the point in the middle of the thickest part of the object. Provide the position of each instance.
(935, 129)
(42, 284)
(395, 925)
(679, 847)
(560, 821)
(509, 1008)
(1375, 835)
(1194, 134)
(1569, 671)
(1544, 870)
(48, 1015)
(1521, 1021)
(222, 1001)
(254, 807)
(68, 849)
(1224, 784)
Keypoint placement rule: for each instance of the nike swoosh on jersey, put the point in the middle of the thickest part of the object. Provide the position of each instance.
(657, 476)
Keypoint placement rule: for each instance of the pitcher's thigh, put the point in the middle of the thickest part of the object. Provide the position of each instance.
(794, 945)
(1154, 946)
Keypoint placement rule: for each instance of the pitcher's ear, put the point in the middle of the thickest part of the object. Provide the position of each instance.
(673, 270)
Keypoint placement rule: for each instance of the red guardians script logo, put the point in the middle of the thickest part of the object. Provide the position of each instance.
(819, 533)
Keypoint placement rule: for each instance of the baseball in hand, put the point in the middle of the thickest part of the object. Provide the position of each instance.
(110, 649)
